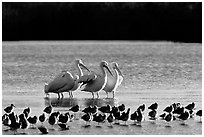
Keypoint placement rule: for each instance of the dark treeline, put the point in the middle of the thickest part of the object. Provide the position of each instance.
(102, 21)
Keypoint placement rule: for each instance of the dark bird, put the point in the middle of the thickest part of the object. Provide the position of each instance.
(9, 109)
(75, 109)
(6, 120)
(152, 114)
(90, 109)
(26, 111)
(168, 109)
(125, 116)
(199, 113)
(56, 114)
(48, 109)
(133, 117)
(178, 110)
(163, 116)
(184, 116)
(116, 114)
(43, 130)
(176, 105)
(190, 106)
(23, 121)
(110, 119)
(52, 119)
(153, 106)
(140, 116)
(42, 118)
(87, 117)
(105, 109)
(14, 125)
(169, 118)
(121, 108)
(141, 107)
(99, 118)
(32, 120)
(63, 126)
(63, 118)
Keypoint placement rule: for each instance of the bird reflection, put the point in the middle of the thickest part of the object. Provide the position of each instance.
(98, 102)
(54, 102)
(83, 102)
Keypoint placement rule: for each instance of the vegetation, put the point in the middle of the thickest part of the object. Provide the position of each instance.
(102, 21)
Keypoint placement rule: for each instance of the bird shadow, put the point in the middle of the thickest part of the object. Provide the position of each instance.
(23, 133)
(167, 126)
(66, 102)
(184, 124)
(110, 126)
(136, 125)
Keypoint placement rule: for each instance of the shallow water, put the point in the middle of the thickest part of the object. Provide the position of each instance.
(162, 72)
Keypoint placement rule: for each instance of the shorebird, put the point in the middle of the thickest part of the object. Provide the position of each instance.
(168, 109)
(43, 130)
(26, 111)
(65, 81)
(110, 119)
(116, 114)
(141, 107)
(87, 117)
(133, 117)
(125, 116)
(169, 117)
(32, 120)
(74, 109)
(153, 106)
(121, 107)
(105, 109)
(140, 116)
(152, 114)
(184, 116)
(191, 106)
(64, 118)
(99, 118)
(42, 118)
(95, 82)
(113, 81)
(14, 122)
(199, 113)
(48, 109)
(23, 121)
(9, 109)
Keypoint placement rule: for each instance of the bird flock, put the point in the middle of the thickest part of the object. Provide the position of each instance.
(112, 115)
(91, 82)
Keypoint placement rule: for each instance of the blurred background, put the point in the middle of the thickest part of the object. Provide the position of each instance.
(163, 21)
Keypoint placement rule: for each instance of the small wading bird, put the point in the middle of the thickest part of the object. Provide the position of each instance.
(88, 117)
(95, 82)
(42, 118)
(32, 120)
(26, 111)
(9, 109)
(43, 130)
(184, 116)
(74, 109)
(65, 81)
(199, 113)
(113, 81)
(23, 121)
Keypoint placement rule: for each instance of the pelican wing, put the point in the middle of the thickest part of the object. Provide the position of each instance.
(59, 82)
(87, 78)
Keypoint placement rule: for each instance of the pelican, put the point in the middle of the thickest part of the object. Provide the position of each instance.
(95, 82)
(65, 81)
(113, 81)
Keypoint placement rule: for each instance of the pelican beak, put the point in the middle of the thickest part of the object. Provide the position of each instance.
(120, 73)
(107, 67)
(84, 66)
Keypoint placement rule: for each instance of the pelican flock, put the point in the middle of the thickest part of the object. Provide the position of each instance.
(92, 82)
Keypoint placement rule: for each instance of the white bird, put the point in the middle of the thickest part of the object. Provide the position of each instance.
(113, 81)
(65, 82)
(95, 82)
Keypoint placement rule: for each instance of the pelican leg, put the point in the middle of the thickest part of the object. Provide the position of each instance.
(58, 95)
(107, 94)
(72, 94)
(113, 94)
(62, 95)
(92, 94)
(97, 94)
